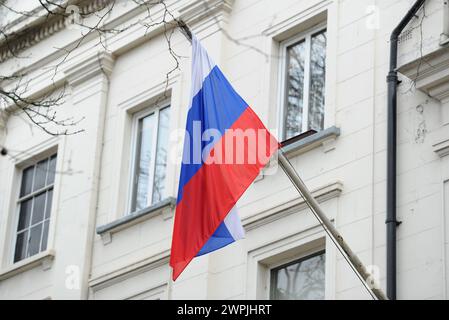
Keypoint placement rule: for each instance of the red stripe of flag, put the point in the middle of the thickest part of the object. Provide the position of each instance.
(213, 191)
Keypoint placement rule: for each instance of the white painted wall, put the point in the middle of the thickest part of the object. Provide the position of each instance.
(348, 174)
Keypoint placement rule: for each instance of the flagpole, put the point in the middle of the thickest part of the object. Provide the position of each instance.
(327, 224)
(330, 229)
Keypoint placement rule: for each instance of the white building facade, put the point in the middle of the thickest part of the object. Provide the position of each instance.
(90, 215)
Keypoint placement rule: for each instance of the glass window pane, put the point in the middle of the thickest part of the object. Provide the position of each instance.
(48, 205)
(294, 89)
(317, 81)
(25, 214)
(20, 249)
(38, 208)
(27, 181)
(51, 170)
(45, 235)
(143, 161)
(34, 243)
(161, 156)
(40, 174)
(303, 280)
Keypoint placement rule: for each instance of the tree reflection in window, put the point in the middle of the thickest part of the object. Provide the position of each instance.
(305, 85)
(151, 159)
(161, 156)
(317, 81)
(300, 280)
(145, 141)
(295, 90)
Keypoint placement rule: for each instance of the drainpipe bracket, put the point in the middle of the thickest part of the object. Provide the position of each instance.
(392, 77)
(396, 222)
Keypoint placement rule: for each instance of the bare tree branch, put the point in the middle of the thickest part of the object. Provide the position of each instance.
(42, 111)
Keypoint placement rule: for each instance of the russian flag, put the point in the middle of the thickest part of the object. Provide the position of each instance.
(225, 147)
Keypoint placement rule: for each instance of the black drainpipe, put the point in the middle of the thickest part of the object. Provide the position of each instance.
(392, 80)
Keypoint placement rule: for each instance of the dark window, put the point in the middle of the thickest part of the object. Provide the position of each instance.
(36, 193)
(302, 279)
(150, 158)
(304, 85)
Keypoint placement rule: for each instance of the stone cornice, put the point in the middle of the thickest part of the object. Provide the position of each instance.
(100, 63)
(431, 73)
(441, 148)
(99, 282)
(199, 10)
(25, 32)
(189, 11)
(323, 193)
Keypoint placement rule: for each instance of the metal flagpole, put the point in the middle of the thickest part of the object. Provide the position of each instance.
(328, 226)
(336, 237)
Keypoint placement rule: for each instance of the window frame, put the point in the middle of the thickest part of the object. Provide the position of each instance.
(305, 36)
(136, 117)
(303, 258)
(20, 199)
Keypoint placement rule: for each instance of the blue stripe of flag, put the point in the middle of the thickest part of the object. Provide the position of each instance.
(215, 106)
(219, 239)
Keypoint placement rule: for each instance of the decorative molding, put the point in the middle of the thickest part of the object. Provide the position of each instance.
(264, 256)
(431, 73)
(100, 63)
(37, 152)
(116, 276)
(163, 208)
(441, 148)
(156, 293)
(324, 193)
(122, 42)
(198, 10)
(12, 46)
(158, 93)
(305, 19)
(37, 29)
(44, 259)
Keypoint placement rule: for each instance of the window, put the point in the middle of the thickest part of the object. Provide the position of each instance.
(303, 83)
(36, 193)
(150, 158)
(299, 280)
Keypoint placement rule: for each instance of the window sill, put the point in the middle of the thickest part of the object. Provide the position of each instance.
(444, 39)
(323, 138)
(163, 208)
(44, 259)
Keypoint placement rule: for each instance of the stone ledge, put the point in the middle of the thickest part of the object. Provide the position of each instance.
(98, 63)
(28, 30)
(321, 194)
(441, 148)
(198, 10)
(323, 138)
(160, 208)
(431, 73)
(100, 282)
(44, 259)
